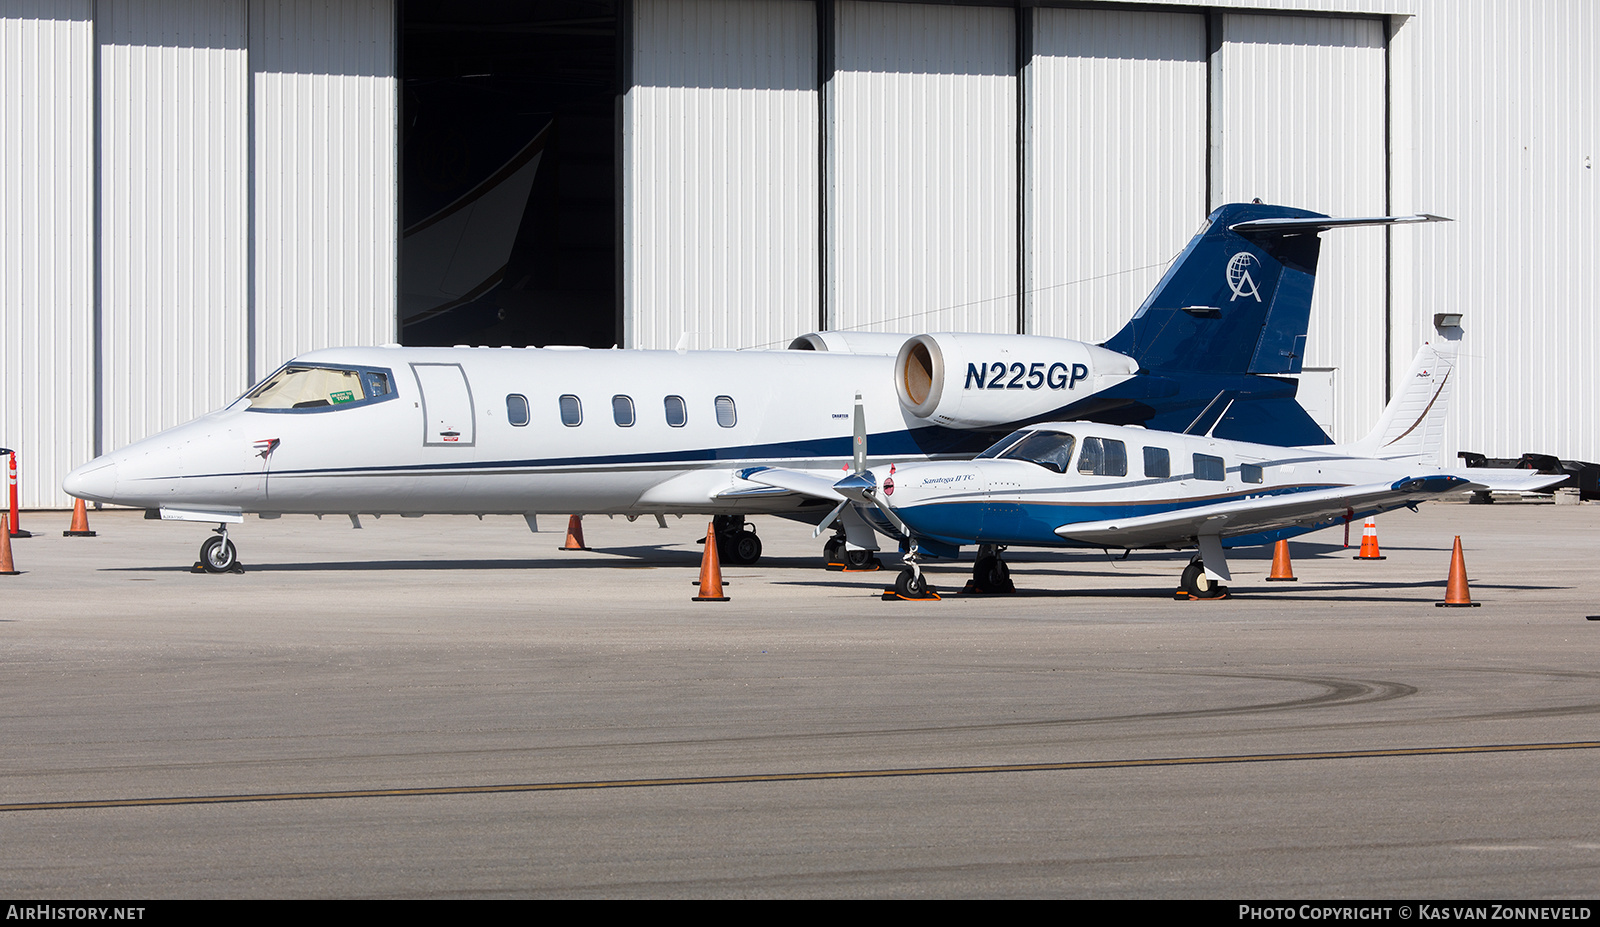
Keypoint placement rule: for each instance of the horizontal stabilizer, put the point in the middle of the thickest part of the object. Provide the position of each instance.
(1262, 513)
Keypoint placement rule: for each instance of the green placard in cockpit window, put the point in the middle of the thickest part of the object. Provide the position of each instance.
(342, 396)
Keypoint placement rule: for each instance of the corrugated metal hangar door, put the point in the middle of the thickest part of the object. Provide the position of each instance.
(1115, 145)
(922, 165)
(1299, 118)
(720, 174)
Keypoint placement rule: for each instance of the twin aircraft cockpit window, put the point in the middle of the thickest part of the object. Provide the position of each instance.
(1104, 457)
(306, 388)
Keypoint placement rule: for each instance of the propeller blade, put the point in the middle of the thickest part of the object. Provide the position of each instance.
(860, 462)
(823, 525)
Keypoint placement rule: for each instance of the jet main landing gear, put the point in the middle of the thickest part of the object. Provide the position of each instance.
(736, 542)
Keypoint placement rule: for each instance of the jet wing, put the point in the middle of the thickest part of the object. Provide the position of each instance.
(1270, 512)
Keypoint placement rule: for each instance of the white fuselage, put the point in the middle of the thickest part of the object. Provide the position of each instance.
(444, 438)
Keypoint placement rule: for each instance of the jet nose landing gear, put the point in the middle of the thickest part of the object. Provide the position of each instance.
(218, 554)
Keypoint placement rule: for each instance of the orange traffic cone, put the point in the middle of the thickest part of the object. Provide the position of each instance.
(1369, 542)
(1281, 571)
(710, 570)
(574, 534)
(80, 522)
(1455, 589)
(7, 568)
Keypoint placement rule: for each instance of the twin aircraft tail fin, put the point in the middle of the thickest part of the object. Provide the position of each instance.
(1238, 299)
(1412, 426)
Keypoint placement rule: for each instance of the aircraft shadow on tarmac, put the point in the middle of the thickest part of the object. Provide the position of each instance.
(1040, 573)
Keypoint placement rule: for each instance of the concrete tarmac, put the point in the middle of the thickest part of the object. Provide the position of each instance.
(446, 707)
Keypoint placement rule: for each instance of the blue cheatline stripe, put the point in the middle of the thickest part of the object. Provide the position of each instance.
(925, 442)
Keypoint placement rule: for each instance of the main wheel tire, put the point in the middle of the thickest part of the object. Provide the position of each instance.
(1198, 584)
(743, 549)
(911, 585)
(833, 551)
(990, 574)
(860, 559)
(218, 555)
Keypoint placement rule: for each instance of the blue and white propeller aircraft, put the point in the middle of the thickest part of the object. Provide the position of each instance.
(1092, 485)
(413, 431)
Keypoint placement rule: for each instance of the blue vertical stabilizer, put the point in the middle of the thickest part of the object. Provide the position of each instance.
(1236, 301)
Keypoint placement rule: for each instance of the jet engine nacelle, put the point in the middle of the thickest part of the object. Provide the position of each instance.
(965, 380)
(885, 343)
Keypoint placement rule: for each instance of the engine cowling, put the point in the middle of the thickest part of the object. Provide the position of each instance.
(885, 343)
(966, 380)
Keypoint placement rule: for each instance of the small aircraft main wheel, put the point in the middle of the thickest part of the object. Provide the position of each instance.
(990, 574)
(1198, 584)
(860, 560)
(218, 555)
(911, 585)
(743, 549)
(833, 551)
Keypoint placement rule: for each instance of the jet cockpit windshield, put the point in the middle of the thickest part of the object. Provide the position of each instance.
(307, 388)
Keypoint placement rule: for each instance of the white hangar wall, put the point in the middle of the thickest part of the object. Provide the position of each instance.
(1502, 130)
(242, 157)
(720, 174)
(47, 305)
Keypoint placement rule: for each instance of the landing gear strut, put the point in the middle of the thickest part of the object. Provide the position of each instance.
(911, 584)
(736, 542)
(218, 555)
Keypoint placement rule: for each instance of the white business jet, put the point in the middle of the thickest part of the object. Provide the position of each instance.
(1090, 485)
(414, 431)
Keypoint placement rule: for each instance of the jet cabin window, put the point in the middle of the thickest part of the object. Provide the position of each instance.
(1051, 450)
(727, 415)
(299, 387)
(517, 409)
(622, 411)
(1207, 467)
(677, 412)
(571, 411)
(1103, 457)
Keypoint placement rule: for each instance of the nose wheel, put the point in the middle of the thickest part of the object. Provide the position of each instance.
(219, 555)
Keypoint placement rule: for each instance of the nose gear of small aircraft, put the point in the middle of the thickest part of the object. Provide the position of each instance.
(1195, 584)
(218, 554)
(911, 584)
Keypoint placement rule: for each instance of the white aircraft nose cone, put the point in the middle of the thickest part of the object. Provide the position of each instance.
(95, 481)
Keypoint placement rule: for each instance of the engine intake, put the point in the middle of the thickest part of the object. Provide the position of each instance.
(966, 380)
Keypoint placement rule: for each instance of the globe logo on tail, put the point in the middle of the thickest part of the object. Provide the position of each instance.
(1239, 279)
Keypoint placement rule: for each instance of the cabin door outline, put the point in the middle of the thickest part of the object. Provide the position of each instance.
(448, 415)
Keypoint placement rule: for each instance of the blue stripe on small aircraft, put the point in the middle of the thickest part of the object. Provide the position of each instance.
(1034, 524)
